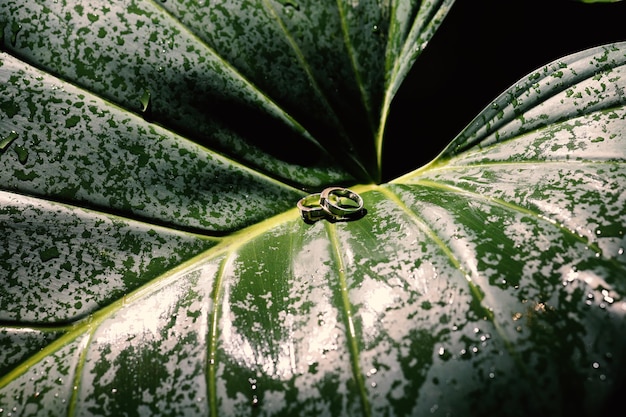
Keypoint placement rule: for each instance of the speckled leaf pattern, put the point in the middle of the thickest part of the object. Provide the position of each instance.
(153, 261)
(311, 71)
(91, 260)
(72, 146)
(136, 55)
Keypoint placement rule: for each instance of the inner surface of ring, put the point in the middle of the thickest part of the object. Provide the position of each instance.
(310, 208)
(341, 201)
(311, 202)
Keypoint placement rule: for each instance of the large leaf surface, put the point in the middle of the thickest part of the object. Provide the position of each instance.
(71, 146)
(314, 73)
(491, 276)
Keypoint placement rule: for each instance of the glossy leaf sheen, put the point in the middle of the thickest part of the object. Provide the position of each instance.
(146, 273)
(78, 148)
(191, 88)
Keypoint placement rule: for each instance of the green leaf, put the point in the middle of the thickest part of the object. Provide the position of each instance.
(81, 149)
(154, 263)
(311, 73)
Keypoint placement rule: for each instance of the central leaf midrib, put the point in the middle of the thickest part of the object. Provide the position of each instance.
(348, 318)
(78, 373)
(212, 338)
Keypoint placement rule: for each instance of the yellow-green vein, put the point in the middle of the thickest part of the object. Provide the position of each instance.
(349, 322)
(212, 339)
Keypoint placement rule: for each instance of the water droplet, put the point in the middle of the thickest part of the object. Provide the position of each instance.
(607, 297)
(443, 354)
(6, 141)
(290, 4)
(145, 101)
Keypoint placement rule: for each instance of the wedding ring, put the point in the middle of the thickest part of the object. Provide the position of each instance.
(341, 203)
(310, 208)
(333, 204)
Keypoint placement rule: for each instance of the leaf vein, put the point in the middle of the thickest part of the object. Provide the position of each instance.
(347, 311)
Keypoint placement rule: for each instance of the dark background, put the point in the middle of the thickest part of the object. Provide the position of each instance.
(482, 48)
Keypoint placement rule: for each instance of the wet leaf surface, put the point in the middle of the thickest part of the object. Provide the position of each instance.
(154, 263)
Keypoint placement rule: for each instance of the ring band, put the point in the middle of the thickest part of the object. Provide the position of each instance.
(310, 208)
(333, 204)
(341, 203)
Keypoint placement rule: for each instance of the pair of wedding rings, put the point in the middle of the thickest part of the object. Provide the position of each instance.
(333, 204)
